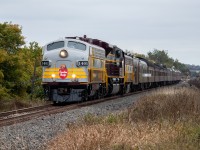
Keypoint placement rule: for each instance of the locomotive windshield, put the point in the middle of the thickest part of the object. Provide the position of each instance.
(55, 45)
(76, 45)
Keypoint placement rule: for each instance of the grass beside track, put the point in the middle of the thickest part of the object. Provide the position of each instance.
(167, 119)
(14, 104)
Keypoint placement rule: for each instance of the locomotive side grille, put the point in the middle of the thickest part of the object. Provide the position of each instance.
(112, 70)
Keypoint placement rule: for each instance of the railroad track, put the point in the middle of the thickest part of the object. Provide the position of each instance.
(22, 115)
(24, 110)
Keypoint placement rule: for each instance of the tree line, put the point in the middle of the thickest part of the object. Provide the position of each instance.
(17, 62)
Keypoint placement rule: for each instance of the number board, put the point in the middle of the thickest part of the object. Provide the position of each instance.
(45, 63)
(82, 63)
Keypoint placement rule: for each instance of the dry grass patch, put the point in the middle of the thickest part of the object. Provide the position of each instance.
(113, 136)
(195, 82)
(168, 119)
(173, 104)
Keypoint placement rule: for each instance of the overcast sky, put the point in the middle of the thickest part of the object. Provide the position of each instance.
(136, 25)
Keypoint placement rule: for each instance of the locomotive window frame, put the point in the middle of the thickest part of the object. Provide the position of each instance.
(76, 45)
(97, 63)
(55, 45)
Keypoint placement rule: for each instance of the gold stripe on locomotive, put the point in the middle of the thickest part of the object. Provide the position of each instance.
(80, 73)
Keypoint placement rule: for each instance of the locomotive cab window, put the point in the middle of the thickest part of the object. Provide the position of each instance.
(76, 45)
(118, 54)
(55, 45)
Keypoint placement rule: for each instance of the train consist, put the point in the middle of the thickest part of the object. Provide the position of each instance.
(78, 68)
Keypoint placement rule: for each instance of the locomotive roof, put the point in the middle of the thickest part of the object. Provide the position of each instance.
(108, 47)
(145, 60)
(152, 64)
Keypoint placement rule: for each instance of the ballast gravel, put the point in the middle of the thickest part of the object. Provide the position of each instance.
(34, 134)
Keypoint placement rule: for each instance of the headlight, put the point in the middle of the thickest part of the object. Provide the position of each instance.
(53, 75)
(63, 53)
(74, 79)
(73, 76)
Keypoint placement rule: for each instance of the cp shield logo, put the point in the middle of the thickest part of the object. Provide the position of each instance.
(63, 72)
